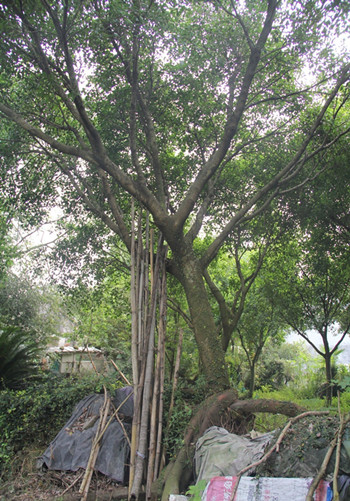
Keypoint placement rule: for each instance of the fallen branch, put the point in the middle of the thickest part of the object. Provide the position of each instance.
(271, 406)
(72, 484)
(275, 447)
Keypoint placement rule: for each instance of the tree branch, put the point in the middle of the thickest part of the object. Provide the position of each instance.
(232, 123)
(275, 181)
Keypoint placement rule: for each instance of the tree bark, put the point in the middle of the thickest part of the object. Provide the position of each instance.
(207, 414)
(210, 349)
(327, 358)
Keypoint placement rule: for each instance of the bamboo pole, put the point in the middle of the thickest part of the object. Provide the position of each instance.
(134, 346)
(147, 387)
(153, 422)
(141, 296)
(173, 390)
(337, 458)
(158, 390)
(156, 408)
(139, 279)
(134, 334)
(142, 447)
(120, 372)
(163, 316)
(145, 292)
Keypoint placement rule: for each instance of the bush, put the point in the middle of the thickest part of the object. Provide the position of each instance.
(35, 415)
(18, 353)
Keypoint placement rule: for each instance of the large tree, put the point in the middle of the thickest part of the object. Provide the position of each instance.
(199, 111)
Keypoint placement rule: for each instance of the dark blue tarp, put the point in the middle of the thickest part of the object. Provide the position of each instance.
(70, 449)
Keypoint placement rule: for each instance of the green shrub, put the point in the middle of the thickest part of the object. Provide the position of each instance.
(34, 415)
(18, 354)
(186, 398)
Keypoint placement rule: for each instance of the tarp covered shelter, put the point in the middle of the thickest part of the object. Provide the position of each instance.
(70, 449)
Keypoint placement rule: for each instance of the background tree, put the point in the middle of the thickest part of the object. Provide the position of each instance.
(102, 318)
(33, 308)
(259, 324)
(181, 108)
(7, 249)
(311, 276)
(314, 295)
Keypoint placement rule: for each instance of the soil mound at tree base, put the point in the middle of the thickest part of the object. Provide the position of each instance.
(304, 447)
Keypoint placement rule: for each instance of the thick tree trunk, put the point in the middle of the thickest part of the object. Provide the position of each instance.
(210, 349)
(207, 414)
(327, 358)
(252, 380)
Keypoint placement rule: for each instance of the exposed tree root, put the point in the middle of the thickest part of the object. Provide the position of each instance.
(207, 414)
(265, 405)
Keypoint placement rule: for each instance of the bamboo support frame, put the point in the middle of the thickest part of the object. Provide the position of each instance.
(148, 296)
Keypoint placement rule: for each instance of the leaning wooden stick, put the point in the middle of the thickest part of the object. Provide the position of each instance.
(322, 470)
(275, 447)
(115, 415)
(84, 488)
(337, 456)
(327, 458)
(120, 372)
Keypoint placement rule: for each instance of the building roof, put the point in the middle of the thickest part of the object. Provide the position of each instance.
(73, 349)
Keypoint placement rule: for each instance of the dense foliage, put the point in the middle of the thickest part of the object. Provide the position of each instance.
(19, 356)
(36, 414)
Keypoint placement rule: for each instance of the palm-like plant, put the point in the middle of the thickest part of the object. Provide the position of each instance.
(18, 354)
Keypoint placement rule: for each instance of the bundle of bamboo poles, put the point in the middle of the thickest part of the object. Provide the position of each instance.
(148, 305)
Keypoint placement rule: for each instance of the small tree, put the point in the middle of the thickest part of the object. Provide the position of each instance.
(259, 323)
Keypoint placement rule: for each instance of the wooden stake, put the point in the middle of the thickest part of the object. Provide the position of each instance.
(120, 372)
(84, 488)
(72, 484)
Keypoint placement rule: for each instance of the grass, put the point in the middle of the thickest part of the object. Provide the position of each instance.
(267, 422)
